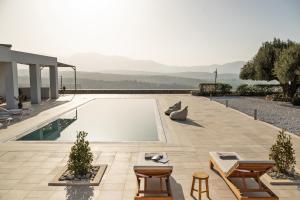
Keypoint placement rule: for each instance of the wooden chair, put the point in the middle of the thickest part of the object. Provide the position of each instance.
(160, 172)
(243, 176)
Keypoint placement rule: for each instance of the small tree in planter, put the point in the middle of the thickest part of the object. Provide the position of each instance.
(81, 157)
(283, 154)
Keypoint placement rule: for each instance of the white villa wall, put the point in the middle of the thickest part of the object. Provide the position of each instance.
(5, 54)
(9, 74)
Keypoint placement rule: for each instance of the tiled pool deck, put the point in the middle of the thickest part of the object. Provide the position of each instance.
(27, 167)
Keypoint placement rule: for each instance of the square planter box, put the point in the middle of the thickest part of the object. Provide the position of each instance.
(272, 181)
(95, 182)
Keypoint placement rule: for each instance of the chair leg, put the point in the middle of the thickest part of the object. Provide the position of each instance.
(207, 188)
(192, 188)
(258, 181)
(139, 183)
(145, 184)
(161, 185)
(168, 186)
(200, 190)
(244, 182)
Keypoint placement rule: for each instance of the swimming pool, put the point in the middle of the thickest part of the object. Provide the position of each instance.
(105, 120)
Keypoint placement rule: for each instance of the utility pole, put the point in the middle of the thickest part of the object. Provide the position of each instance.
(216, 75)
(75, 77)
(61, 82)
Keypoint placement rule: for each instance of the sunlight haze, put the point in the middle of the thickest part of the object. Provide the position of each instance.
(171, 32)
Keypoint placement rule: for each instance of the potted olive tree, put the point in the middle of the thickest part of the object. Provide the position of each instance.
(79, 169)
(81, 157)
(283, 153)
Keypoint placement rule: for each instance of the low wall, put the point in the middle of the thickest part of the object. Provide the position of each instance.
(127, 91)
(45, 92)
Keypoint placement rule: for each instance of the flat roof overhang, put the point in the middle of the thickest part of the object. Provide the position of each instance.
(8, 55)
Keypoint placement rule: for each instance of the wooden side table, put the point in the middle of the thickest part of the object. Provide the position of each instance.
(201, 176)
(148, 169)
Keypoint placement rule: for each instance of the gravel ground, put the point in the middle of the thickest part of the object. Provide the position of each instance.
(281, 114)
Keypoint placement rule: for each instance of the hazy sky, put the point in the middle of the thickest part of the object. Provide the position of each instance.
(175, 32)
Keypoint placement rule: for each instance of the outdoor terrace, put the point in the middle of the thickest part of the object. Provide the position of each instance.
(27, 167)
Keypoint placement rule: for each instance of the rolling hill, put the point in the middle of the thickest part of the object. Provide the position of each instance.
(94, 62)
(96, 71)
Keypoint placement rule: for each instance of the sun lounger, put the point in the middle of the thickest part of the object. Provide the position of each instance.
(5, 119)
(13, 112)
(243, 176)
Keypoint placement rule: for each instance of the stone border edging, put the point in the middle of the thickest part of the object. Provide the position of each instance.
(126, 91)
(280, 181)
(55, 181)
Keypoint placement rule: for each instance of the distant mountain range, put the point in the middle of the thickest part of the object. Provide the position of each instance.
(179, 80)
(94, 62)
(96, 71)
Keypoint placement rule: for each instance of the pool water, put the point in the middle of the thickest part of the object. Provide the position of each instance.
(106, 120)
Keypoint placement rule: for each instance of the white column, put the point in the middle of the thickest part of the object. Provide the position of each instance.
(11, 84)
(53, 82)
(35, 83)
(2, 79)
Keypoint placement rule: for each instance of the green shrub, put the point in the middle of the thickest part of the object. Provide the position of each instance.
(281, 97)
(224, 88)
(248, 90)
(213, 89)
(283, 154)
(257, 90)
(81, 157)
(242, 89)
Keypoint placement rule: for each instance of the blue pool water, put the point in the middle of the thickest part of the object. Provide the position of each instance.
(105, 120)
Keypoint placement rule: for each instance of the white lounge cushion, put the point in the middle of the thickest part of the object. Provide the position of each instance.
(179, 114)
(175, 107)
(227, 164)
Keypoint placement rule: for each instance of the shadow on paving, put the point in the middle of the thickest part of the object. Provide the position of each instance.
(190, 122)
(37, 109)
(79, 192)
(176, 188)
